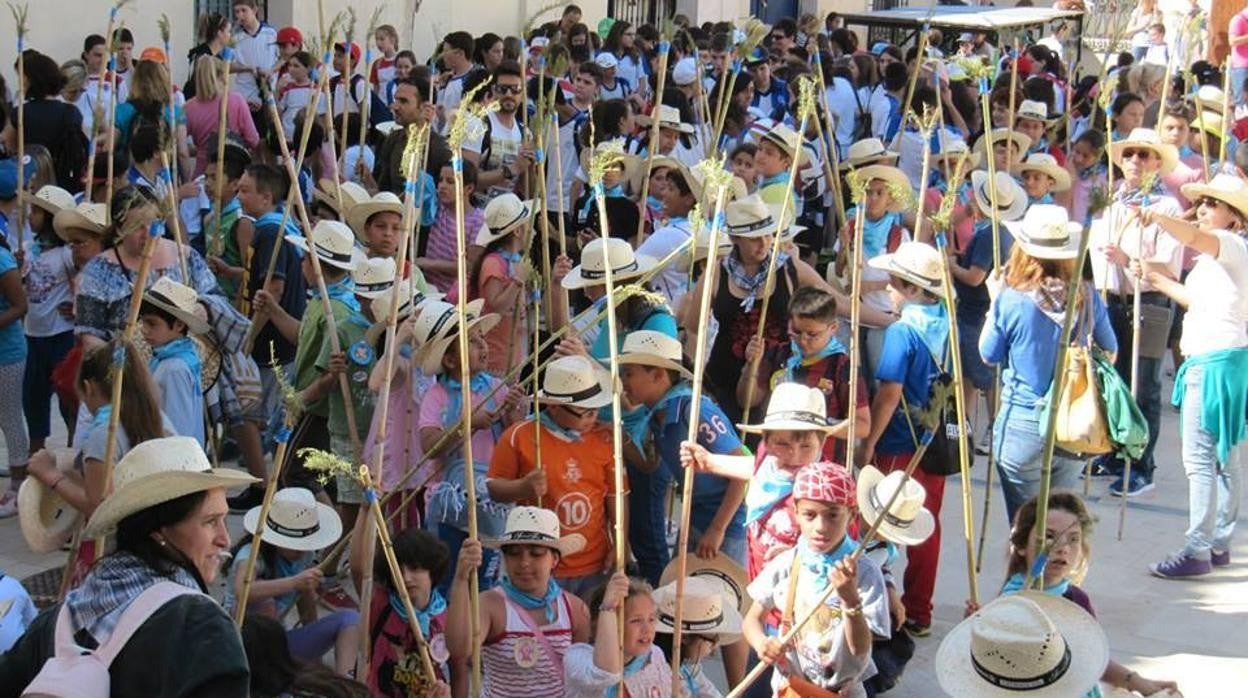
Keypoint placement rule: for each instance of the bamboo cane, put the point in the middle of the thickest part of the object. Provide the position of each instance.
(918, 67)
(718, 178)
(806, 107)
(270, 488)
(653, 148)
(97, 112)
(831, 152)
(218, 197)
(369, 65)
(19, 19)
(542, 121)
(1135, 374)
(1013, 84)
(537, 404)
(175, 218)
(112, 122)
(346, 86)
(855, 315)
(1226, 114)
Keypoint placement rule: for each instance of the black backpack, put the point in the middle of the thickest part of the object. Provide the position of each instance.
(70, 153)
(943, 454)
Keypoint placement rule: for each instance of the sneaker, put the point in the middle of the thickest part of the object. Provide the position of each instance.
(8, 505)
(1220, 558)
(1103, 467)
(916, 629)
(1180, 566)
(1140, 484)
(337, 599)
(251, 497)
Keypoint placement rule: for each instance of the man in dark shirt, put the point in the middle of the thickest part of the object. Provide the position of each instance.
(411, 106)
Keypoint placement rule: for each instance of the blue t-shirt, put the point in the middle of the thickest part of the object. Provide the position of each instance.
(717, 435)
(12, 337)
(1024, 337)
(905, 359)
(973, 300)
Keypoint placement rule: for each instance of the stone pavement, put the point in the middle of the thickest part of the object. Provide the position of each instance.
(1193, 632)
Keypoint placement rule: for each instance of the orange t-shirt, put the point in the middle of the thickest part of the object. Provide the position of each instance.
(579, 479)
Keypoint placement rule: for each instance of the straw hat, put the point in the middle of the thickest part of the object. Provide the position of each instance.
(752, 217)
(651, 348)
(209, 358)
(1047, 232)
(1226, 188)
(592, 271)
(89, 218)
(503, 215)
(788, 141)
(633, 166)
(442, 331)
(296, 521)
(868, 151)
(1043, 162)
(952, 148)
(179, 301)
(1211, 123)
(1022, 143)
(794, 407)
(906, 522)
(576, 381)
(359, 211)
(327, 190)
(157, 471)
(383, 303)
(896, 181)
(1011, 197)
(47, 520)
(669, 117)
(701, 244)
(535, 526)
(720, 571)
(1211, 98)
(1031, 109)
(915, 262)
(386, 128)
(1031, 643)
(706, 609)
(334, 244)
(1145, 138)
(696, 181)
(374, 276)
(50, 198)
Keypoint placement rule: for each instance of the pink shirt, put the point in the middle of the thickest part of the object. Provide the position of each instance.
(509, 339)
(203, 117)
(434, 404)
(1239, 27)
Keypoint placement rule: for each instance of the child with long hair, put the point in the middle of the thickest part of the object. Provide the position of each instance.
(594, 669)
(498, 278)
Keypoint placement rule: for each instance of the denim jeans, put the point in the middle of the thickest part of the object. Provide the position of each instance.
(1238, 75)
(1018, 444)
(1148, 389)
(1213, 488)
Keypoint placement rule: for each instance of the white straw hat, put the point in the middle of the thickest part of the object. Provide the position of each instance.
(1027, 644)
(503, 215)
(437, 329)
(906, 522)
(721, 571)
(952, 147)
(334, 244)
(179, 301)
(535, 526)
(374, 276)
(651, 348)
(624, 263)
(1145, 138)
(1032, 109)
(1011, 197)
(1022, 143)
(327, 191)
(1210, 97)
(669, 117)
(1043, 162)
(706, 609)
(794, 407)
(896, 180)
(1226, 188)
(576, 381)
(384, 303)
(1047, 232)
(788, 140)
(359, 211)
(87, 217)
(50, 198)
(868, 151)
(157, 471)
(752, 217)
(916, 262)
(46, 519)
(606, 60)
(296, 521)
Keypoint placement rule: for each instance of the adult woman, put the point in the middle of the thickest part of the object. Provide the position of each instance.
(51, 122)
(1212, 381)
(12, 369)
(1127, 112)
(203, 114)
(1145, 15)
(168, 509)
(1023, 331)
(214, 36)
(488, 51)
(148, 103)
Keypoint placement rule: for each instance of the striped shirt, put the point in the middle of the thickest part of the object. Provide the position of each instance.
(502, 675)
(442, 244)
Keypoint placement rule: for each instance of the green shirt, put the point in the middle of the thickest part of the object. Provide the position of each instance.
(308, 349)
(360, 359)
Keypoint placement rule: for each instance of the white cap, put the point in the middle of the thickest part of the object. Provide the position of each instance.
(685, 72)
(606, 60)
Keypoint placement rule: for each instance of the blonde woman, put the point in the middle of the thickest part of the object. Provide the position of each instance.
(203, 113)
(148, 103)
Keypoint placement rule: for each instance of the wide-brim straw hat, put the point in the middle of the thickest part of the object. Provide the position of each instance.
(382, 304)
(952, 149)
(794, 407)
(707, 608)
(669, 117)
(737, 188)
(536, 526)
(296, 521)
(179, 301)
(1011, 198)
(625, 264)
(906, 522)
(752, 217)
(900, 190)
(358, 212)
(374, 276)
(868, 151)
(157, 471)
(1211, 98)
(333, 243)
(327, 190)
(1046, 232)
(788, 141)
(429, 357)
(915, 262)
(1047, 164)
(1034, 110)
(50, 198)
(1210, 122)
(721, 570)
(505, 214)
(577, 382)
(1145, 138)
(1022, 143)
(1226, 188)
(651, 348)
(47, 520)
(1029, 644)
(633, 166)
(87, 217)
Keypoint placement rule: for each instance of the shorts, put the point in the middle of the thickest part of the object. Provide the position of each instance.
(980, 374)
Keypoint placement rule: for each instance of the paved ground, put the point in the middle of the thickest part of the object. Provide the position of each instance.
(1193, 632)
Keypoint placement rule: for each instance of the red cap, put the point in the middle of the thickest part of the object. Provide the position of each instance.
(289, 35)
(355, 51)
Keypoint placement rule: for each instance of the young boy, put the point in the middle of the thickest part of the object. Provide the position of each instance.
(387, 40)
(1042, 177)
(833, 651)
(776, 150)
(1033, 122)
(346, 98)
(166, 317)
(575, 479)
(915, 347)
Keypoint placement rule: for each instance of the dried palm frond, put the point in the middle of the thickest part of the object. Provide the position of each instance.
(166, 28)
(290, 396)
(326, 465)
(605, 155)
(20, 13)
(531, 21)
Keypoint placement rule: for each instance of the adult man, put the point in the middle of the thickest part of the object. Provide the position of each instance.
(784, 34)
(456, 55)
(1117, 239)
(500, 152)
(255, 50)
(411, 106)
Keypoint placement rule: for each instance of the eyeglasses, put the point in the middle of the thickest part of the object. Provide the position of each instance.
(508, 89)
(1141, 153)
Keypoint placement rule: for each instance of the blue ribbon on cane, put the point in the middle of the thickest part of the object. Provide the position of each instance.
(282, 435)
(409, 188)
(664, 47)
(157, 229)
(457, 164)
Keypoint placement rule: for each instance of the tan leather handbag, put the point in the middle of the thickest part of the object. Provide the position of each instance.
(1080, 426)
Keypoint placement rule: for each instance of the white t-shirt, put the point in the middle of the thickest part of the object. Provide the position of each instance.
(1218, 287)
(294, 99)
(257, 50)
(47, 287)
(844, 109)
(359, 93)
(673, 280)
(504, 147)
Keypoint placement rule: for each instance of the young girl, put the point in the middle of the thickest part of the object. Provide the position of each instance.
(1087, 165)
(594, 669)
(498, 279)
(439, 262)
(743, 165)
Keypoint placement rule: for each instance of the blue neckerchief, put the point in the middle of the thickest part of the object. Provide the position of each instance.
(1046, 199)
(101, 416)
(1014, 584)
(1040, 146)
(796, 358)
(552, 426)
(530, 602)
(181, 348)
(653, 204)
(342, 291)
(1141, 197)
(931, 322)
(274, 218)
(751, 284)
(591, 200)
(451, 415)
(1186, 152)
(436, 606)
(875, 232)
(822, 564)
(673, 393)
(1092, 170)
(769, 486)
(781, 180)
(631, 667)
(512, 259)
(688, 677)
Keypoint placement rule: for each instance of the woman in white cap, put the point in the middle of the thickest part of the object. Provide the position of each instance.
(168, 511)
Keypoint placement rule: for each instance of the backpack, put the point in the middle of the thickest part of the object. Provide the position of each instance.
(70, 154)
(862, 124)
(76, 671)
(943, 454)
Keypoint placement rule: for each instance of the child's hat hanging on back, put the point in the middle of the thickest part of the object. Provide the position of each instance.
(906, 522)
(179, 301)
(825, 482)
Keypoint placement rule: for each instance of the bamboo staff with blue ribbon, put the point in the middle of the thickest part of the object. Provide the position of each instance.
(223, 103)
(652, 147)
(347, 91)
(827, 141)
(111, 135)
(369, 63)
(19, 20)
(97, 110)
(751, 36)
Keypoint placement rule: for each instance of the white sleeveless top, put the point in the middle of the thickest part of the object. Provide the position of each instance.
(586, 680)
(517, 664)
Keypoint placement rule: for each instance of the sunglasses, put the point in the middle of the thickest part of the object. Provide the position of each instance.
(508, 89)
(1141, 153)
(1208, 202)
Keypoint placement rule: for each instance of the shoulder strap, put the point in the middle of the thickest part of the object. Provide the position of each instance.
(556, 659)
(786, 619)
(136, 614)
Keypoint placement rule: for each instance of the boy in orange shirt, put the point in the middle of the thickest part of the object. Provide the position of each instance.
(576, 480)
